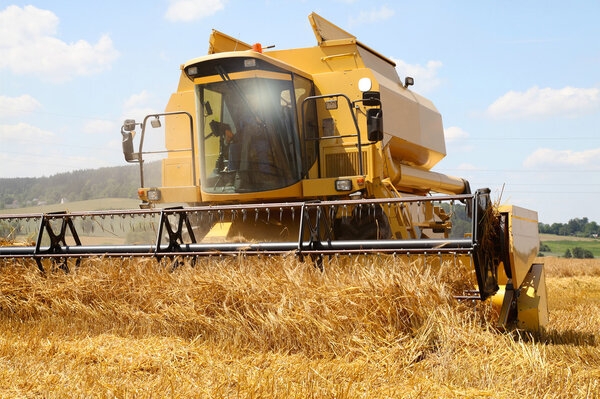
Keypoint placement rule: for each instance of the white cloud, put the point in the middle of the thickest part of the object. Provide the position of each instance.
(137, 100)
(114, 144)
(455, 139)
(138, 105)
(191, 10)
(567, 158)
(29, 46)
(99, 126)
(454, 133)
(368, 17)
(13, 106)
(22, 131)
(466, 166)
(426, 78)
(537, 102)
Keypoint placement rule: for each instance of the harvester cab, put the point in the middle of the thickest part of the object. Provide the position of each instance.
(321, 151)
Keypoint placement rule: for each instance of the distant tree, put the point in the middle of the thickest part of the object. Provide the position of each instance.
(588, 254)
(591, 229)
(574, 227)
(568, 253)
(581, 253)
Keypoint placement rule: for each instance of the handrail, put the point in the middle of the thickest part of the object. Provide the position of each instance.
(304, 139)
(141, 161)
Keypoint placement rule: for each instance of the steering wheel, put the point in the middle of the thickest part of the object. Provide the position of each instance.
(217, 129)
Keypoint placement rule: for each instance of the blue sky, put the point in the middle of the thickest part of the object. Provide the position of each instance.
(517, 83)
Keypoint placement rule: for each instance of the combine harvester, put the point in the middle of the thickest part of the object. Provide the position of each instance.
(316, 152)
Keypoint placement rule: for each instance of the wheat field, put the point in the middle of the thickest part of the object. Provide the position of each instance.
(367, 327)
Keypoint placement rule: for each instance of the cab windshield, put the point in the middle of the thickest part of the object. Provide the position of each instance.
(248, 134)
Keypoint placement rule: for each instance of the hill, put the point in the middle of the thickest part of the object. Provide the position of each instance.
(79, 185)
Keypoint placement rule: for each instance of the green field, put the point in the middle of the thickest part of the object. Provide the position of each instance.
(559, 244)
(554, 237)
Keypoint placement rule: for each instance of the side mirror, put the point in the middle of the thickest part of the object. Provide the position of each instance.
(408, 81)
(371, 98)
(128, 146)
(129, 125)
(375, 124)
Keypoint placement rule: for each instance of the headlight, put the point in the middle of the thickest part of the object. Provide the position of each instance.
(153, 194)
(191, 71)
(343, 185)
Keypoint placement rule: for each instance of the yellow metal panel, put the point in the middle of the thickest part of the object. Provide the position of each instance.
(378, 63)
(325, 30)
(326, 187)
(532, 304)
(176, 172)
(342, 116)
(177, 127)
(413, 126)
(292, 192)
(185, 84)
(220, 42)
(219, 230)
(362, 47)
(523, 240)
(314, 60)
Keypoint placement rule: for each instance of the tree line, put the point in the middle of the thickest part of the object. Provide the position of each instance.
(574, 227)
(78, 185)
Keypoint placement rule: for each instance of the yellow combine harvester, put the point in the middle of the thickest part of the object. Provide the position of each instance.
(320, 151)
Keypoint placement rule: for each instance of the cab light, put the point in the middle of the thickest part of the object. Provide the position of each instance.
(343, 185)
